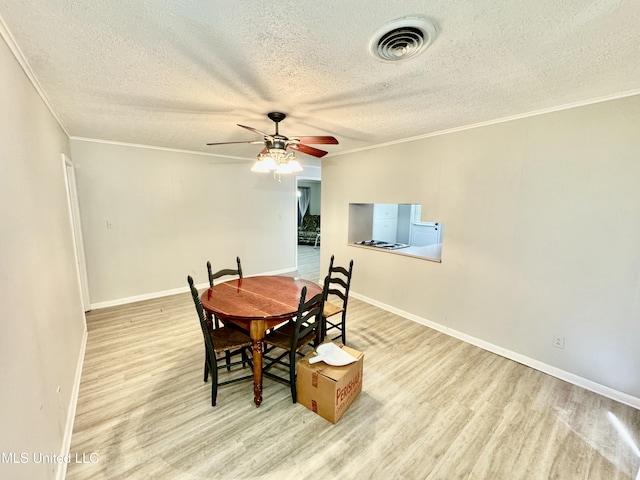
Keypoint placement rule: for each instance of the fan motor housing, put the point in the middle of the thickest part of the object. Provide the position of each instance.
(277, 141)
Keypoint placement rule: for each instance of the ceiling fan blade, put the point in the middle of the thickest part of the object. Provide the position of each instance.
(307, 149)
(318, 140)
(253, 142)
(254, 130)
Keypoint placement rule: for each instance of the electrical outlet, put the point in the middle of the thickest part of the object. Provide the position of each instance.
(558, 341)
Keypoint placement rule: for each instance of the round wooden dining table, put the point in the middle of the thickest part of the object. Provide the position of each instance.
(257, 304)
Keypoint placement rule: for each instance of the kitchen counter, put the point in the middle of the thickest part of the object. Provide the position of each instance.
(433, 253)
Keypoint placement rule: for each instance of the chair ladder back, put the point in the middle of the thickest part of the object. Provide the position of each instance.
(340, 292)
(309, 318)
(224, 272)
(337, 285)
(342, 279)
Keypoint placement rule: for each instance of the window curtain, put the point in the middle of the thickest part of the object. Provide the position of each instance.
(303, 202)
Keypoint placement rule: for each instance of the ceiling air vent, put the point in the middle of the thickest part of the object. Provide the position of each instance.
(402, 39)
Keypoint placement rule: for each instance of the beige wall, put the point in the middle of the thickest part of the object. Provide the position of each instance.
(169, 212)
(40, 306)
(541, 235)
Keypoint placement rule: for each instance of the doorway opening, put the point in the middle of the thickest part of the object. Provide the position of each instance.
(308, 195)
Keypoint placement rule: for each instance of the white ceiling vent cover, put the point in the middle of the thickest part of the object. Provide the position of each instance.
(402, 39)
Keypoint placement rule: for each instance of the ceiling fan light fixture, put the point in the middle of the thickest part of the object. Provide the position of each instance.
(402, 39)
(278, 161)
(294, 165)
(283, 169)
(264, 164)
(260, 167)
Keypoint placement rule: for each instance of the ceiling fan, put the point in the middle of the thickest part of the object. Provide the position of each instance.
(279, 143)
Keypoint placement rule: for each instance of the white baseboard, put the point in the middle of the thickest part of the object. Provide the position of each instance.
(145, 296)
(173, 291)
(73, 403)
(517, 357)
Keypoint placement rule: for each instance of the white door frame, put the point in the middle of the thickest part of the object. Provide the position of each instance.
(76, 228)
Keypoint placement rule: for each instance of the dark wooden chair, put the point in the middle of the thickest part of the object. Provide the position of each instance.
(336, 298)
(217, 341)
(223, 273)
(289, 339)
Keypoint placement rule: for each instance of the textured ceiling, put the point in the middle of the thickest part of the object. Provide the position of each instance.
(181, 73)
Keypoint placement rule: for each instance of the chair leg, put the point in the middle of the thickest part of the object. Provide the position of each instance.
(227, 356)
(206, 366)
(214, 386)
(292, 376)
(246, 359)
(323, 328)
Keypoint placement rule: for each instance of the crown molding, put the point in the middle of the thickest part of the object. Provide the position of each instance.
(535, 113)
(22, 61)
(153, 147)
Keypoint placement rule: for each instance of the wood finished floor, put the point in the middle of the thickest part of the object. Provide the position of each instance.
(432, 407)
(309, 263)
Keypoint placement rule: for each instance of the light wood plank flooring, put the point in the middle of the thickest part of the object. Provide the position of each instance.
(432, 407)
(309, 263)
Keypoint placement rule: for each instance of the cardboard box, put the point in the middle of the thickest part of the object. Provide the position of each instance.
(329, 390)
